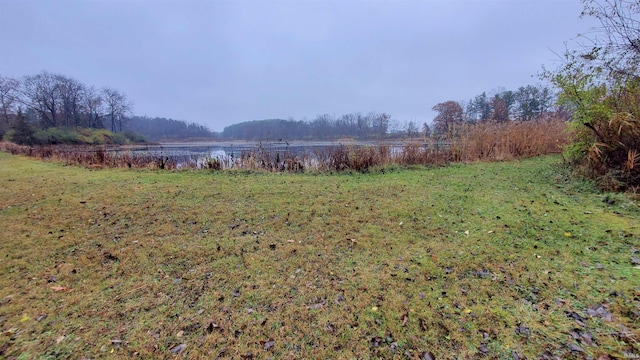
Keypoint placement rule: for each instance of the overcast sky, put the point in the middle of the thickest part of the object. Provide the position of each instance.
(223, 62)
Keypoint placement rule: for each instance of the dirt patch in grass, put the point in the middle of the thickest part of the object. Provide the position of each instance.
(499, 260)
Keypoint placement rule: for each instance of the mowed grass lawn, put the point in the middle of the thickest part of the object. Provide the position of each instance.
(499, 260)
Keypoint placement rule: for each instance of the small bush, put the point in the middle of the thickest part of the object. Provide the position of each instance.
(8, 135)
(214, 164)
(22, 131)
(119, 138)
(134, 137)
(53, 136)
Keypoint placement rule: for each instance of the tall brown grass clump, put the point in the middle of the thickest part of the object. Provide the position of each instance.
(613, 154)
(269, 159)
(354, 158)
(490, 141)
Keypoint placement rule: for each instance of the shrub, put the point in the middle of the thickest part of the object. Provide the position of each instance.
(134, 137)
(606, 138)
(8, 136)
(22, 131)
(119, 138)
(53, 136)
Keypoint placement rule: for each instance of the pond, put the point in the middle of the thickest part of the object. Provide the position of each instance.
(274, 155)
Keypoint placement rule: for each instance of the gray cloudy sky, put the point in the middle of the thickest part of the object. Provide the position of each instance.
(223, 62)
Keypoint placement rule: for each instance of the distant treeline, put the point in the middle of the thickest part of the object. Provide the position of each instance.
(324, 127)
(55, 108)
(527, 103)
(157, 128)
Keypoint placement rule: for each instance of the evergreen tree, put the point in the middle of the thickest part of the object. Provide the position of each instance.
(22, 130)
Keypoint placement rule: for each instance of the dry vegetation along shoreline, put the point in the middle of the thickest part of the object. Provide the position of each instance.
(497, 260)
(488, 141)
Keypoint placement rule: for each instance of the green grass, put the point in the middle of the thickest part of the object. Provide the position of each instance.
(486, 259)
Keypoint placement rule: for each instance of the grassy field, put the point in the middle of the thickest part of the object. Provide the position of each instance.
(499, 260)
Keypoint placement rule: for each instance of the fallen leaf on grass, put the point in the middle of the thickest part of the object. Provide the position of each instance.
(522, 330)
(178, 348)
(58, 288)
(575, 348)
(575, 316)
(601, 312)
(59, 339)
(315, 306)
(376, 341)
(405, 318)
(582, 336)
(428, 356)
(393, 346)
(423, 324)
(269, 344)
(212, 326)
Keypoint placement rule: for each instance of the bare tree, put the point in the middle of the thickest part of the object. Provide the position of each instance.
(363, 123)
(615, 45)
(42, 94)
(411, 128)
(379, 122)
(94, 107)
(71, 92)
(118, 107)
(8, 96)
